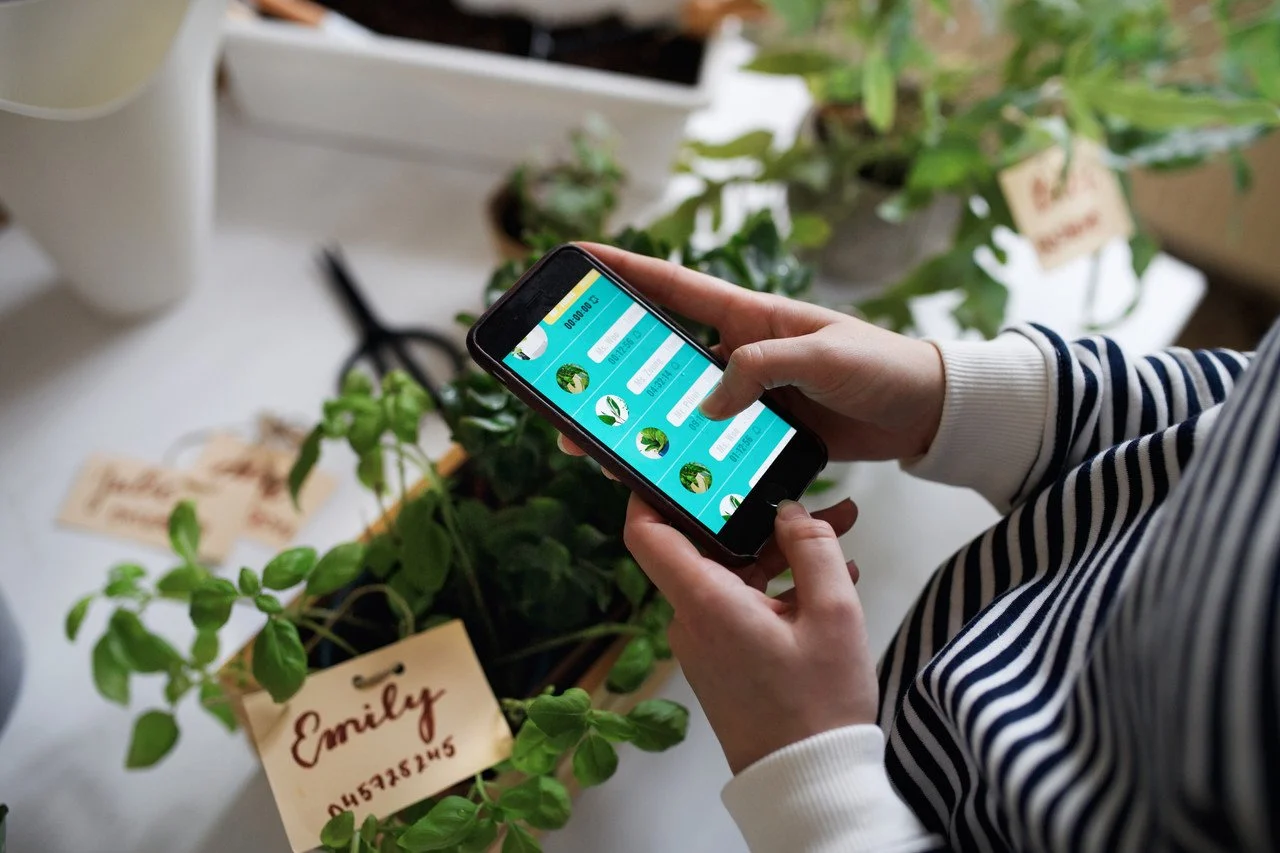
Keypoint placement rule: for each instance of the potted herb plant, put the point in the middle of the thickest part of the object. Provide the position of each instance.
(891, 114)
(515, 539)
(566, 199)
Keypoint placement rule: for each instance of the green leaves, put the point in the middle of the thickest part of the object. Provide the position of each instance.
(75, 617)
(879, 89)
(184, 531)
(214, 700)
(142, 650)
(308, 456)
(797, 62)
(279, 660)
(426, 548)
(336, 569)
(755, 144)
(949, 165)
(248, 582)
(659, 724)
(557, 715)
(594, 761)
(631, 580)
(540, 801)
(154, 734)
(211, 603)
(288, 568)
(180, 582)
(809, 231)
(532, 753)
(613, 726)
(1158, 109)
(799, 15)
(338, 831)
(448, 823)
(110, 669)
(520, 840)
(633, 666)
(204, 648)
(122, 581)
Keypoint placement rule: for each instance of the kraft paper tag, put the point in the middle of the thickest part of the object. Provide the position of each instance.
(132, 499)
(378, 733)
(273, 519)
(1066, 219)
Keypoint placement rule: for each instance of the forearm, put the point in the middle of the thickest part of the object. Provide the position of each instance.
(826, 794)
(1028, 406)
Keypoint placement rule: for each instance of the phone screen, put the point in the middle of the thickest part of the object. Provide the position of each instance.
(610, 365)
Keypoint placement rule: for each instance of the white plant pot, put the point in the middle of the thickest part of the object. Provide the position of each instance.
(491, 109)
(106, 141)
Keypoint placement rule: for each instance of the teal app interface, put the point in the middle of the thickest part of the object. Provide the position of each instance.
(622, 374)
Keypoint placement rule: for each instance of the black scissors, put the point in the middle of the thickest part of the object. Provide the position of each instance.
(385, 348)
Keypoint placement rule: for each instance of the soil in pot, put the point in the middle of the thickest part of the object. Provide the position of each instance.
(865, 253)
(659, 53)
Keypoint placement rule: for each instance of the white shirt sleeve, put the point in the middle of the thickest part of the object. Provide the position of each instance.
(993, 418)
(826, 794)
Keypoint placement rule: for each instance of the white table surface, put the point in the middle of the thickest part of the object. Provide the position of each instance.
(261, 333)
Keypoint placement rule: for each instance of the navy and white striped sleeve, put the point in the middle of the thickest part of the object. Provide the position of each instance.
(1024, 409)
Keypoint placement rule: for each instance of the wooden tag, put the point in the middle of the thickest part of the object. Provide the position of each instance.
(273, 520)
(132, 499)
(379, 732)
(1066, 219)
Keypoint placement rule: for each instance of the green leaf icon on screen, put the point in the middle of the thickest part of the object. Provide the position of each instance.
(572, 378)
(695, 477)
(611, 410)
(652, 443)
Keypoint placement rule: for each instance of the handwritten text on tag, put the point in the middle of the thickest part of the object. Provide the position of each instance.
(378, 733)
(1066, 219)
(132, 499)
(273, 519)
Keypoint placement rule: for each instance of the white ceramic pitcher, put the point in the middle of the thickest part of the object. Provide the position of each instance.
(107, 138)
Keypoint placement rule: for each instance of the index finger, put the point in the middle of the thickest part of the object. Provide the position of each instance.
(695, 295)
(669, 559)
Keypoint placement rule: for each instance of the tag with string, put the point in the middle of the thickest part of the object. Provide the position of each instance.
(1066, 216)
(379, 732)
(273, 519)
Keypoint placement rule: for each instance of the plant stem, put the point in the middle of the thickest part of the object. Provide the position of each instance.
(605, 629)
(479, 788)
(462, 547)
(321, 631)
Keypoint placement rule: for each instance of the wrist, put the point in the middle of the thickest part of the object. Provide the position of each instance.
(931, 385)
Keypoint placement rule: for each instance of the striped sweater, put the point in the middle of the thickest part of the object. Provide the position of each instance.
(1101, 669)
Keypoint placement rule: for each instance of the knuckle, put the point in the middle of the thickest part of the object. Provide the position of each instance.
(748, 359)
(840, 608)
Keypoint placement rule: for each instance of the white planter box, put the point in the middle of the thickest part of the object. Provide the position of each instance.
(494, 109)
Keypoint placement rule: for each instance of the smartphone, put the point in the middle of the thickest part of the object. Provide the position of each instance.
(612, 372)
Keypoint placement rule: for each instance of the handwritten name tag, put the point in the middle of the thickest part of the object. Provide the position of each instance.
(1066, 219)
(379, 732)
(132, 499)
(273, 519)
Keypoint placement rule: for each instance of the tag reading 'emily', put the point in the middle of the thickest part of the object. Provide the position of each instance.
(273, 519)
(1066, 219)
(379, 732)
(124, 497)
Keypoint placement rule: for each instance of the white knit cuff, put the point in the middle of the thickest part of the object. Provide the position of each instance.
(993, 419)
(825, 794)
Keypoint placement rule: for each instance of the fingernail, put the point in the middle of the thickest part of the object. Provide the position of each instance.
(708, 406)
(560, 444)
(789, 510)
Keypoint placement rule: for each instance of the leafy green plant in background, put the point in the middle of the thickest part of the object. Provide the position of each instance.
(568, 199)
(890, 112)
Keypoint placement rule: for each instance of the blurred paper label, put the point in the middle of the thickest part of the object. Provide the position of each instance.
(132, 499)
(379, 732)
(1068, 216)
(273, 519)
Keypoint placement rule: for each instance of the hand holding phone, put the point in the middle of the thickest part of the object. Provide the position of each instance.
(623, 382)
